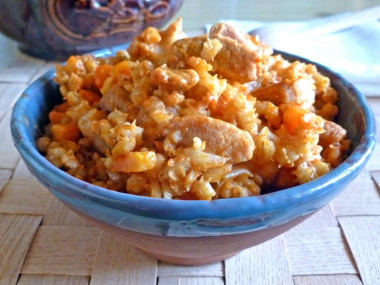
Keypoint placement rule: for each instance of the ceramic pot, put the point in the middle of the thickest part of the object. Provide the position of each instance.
(55, 29)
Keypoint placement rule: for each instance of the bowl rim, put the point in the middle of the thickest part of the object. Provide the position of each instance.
(159, 208)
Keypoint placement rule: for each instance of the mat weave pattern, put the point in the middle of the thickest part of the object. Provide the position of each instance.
(43, 242)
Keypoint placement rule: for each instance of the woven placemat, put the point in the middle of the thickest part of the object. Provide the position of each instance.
(43, 242)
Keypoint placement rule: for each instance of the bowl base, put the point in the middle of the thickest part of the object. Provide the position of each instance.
(189, 261)
(194, 250)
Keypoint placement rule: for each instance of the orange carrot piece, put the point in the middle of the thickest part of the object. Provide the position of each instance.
(135, 162)
(296, 117)
(121, 68)
(73, 63)
(56, 117)
(89, 96)
(293, 117)
(102, 72)
(62, 107)
(159, 146)
(62, 132)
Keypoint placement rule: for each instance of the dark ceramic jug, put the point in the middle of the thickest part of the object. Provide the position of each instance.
(55, 29)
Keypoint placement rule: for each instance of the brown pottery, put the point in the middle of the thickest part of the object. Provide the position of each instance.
(55, 29)
(194, 250)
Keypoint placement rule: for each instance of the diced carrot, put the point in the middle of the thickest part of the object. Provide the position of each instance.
(56, 117)
(73, 63)
(62, 107)
(219, 105)
(88, 80)
(89, 96)
(296, 117)
(188, 196)
(293, 117)
(159, 146)
(212, 99)
(135, 162)
(102, 72)
(62, 132)
(121, 68)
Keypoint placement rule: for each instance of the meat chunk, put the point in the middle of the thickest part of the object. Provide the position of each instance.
(221, 138)
(114, 98)
(154, 45)
(90, 127)
(300, 91)
(176, 79)
(185, 48)
(238, 57)
(334, 133)
(229, 31)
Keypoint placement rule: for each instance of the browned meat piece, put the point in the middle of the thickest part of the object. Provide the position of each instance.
(277, 94)
(178, 79)
(221, 138)
(185, 48)
(238, 58)
(89, 126)
(115, 98)
(301, 90)
(154, 45)
(229, 31)
(333, 134)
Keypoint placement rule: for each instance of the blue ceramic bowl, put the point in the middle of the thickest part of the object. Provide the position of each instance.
(186, 227)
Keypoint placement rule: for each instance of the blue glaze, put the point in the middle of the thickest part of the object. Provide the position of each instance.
(192, 218)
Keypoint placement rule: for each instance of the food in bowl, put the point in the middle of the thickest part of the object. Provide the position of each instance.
(203, 118)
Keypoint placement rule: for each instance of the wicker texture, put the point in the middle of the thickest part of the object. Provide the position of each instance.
(43, 242)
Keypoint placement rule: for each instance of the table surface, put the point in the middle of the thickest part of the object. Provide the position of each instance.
(42, 242)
